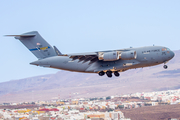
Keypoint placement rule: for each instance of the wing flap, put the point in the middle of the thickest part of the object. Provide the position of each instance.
(85, 57)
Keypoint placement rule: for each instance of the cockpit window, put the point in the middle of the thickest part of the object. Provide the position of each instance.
(165, 49)
(168, 49)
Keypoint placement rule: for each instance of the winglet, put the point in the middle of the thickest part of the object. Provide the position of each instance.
(57, 51)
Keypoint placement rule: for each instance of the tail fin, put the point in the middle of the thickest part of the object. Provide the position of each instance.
(36, 44)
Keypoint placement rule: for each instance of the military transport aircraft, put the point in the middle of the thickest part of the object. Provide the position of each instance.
(101, 62)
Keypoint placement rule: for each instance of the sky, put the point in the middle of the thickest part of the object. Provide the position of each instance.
(76, 26)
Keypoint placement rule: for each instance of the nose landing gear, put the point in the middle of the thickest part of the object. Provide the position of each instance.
(165, 66)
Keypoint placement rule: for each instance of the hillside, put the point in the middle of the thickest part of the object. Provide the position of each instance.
(66, 84)
(165, 112)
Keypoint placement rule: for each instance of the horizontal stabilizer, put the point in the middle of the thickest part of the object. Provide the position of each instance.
(27, 35)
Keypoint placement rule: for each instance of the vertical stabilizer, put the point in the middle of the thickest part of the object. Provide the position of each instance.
(36, 44)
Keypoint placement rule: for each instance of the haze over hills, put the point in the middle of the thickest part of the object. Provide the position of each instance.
(66, 84)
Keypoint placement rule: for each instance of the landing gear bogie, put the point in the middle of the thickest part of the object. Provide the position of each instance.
(109, 74)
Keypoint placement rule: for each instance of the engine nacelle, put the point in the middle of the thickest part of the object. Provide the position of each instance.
(128, 55)
(109, 56)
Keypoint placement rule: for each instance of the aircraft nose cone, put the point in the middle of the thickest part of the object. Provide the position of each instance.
(172, 54)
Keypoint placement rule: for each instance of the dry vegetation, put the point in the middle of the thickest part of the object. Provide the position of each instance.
(165, 112)
(18, 106)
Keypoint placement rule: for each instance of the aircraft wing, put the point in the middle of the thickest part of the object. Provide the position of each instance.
(90, 56)
(85, 54)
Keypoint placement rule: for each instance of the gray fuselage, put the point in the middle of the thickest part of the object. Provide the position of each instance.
(146, 56)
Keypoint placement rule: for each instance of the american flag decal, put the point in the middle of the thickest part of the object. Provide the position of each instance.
(38, 44)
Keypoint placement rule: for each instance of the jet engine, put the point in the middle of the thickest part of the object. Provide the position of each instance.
(109, 56)
(128, 55)
(116, 55)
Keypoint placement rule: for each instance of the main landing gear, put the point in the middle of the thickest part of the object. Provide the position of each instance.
(101, 73)
(109, 73)
(116, 74)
